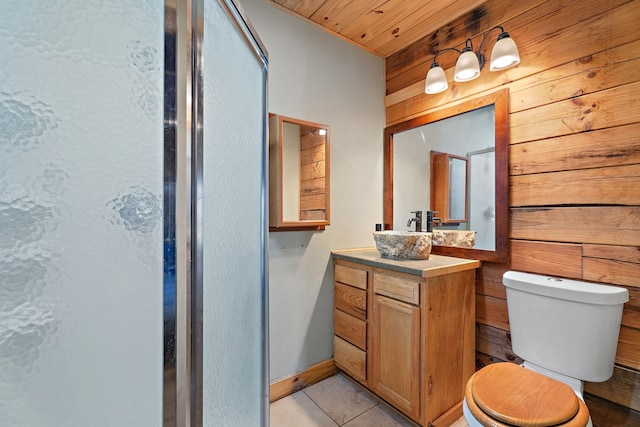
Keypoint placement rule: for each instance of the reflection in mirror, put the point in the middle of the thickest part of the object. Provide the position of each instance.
(453, 161)
(298, 174)
(426, 154)
(449, 188)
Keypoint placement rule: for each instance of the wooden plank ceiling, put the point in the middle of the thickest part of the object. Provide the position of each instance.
(382, 27)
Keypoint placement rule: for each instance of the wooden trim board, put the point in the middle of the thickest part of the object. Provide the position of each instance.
(297, 382)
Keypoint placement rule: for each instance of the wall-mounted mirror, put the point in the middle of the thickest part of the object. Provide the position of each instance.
(298, 174)
(449, 184)
(475, 130)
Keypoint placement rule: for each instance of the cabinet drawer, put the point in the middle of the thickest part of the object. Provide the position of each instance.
(403, 287)
(350, 300)
(350, 276)
(350, 358)
(351, 329)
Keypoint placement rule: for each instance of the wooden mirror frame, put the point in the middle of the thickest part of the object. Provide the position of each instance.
(314, 172)
(500, 100)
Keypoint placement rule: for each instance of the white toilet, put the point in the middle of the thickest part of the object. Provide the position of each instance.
(567, 332)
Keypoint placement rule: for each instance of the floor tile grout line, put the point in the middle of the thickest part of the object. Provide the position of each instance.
(386, 407)
(360, 390)
(374, 406)
(377, 403)
(321, 408)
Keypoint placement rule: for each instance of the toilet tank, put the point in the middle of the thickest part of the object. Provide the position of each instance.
(567, 326)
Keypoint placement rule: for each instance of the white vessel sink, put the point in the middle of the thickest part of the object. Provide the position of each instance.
(403, 244)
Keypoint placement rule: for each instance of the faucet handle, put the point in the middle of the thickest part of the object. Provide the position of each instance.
(430, 220)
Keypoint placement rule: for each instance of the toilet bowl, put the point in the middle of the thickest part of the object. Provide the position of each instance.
(506, 395)
(566, 331)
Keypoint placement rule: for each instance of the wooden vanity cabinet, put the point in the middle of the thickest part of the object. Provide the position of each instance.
(351, 315)
(395, 346)
(420, 336)
(448, 324)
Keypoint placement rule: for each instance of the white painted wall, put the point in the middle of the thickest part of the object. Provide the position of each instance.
(318, 77)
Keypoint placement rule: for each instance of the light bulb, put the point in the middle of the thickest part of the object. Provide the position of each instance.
(436, 81)
(467, 67)
(504, 54)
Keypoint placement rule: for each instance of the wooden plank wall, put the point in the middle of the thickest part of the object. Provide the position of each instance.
(313, 185)
(574, 161)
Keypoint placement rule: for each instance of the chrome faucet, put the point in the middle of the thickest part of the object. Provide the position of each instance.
(417, 219)
(431, 220)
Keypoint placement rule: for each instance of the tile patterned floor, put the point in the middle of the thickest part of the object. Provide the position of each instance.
(333, 402)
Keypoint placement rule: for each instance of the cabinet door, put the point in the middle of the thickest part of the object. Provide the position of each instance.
(396, 354)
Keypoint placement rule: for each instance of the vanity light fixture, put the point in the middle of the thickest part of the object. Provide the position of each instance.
(504, 55)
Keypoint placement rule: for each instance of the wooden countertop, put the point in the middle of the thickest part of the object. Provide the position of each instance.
(436, 265)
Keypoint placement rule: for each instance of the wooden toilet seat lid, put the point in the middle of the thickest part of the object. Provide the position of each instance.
(513, 395)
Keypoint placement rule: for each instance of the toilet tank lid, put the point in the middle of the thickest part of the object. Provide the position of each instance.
(567, 289)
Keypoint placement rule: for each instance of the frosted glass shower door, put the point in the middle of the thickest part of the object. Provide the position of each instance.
(233, 223)
(482, 166)
(81, 213)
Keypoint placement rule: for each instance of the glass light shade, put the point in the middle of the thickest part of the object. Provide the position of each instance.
(436, 80)
(504, 54)
(467, 67)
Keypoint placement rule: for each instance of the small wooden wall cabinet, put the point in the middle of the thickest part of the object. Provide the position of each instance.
(405, 330)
